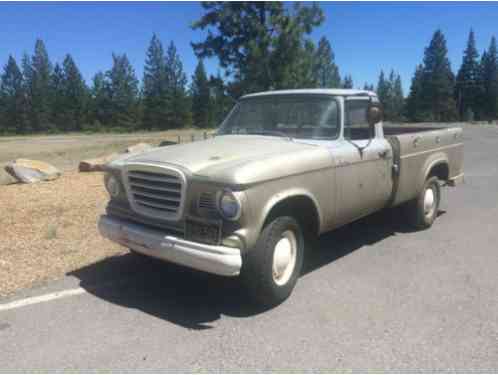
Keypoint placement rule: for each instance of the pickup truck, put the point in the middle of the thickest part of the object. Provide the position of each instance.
(283, 168)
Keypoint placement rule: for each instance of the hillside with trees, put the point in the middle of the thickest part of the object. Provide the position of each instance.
(259, 46)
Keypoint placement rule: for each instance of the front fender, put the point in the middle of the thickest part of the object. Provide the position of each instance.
(290, 193)
(263, 199)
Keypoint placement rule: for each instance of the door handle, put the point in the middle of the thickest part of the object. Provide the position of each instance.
(383, 154)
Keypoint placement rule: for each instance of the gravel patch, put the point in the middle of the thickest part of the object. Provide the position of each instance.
(50, 228)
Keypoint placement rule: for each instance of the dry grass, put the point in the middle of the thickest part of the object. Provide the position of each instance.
(66, 151)
(49, 229)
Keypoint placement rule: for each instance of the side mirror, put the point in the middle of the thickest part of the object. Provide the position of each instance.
(374, 114)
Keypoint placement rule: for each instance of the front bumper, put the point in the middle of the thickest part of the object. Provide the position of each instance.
(220, 260)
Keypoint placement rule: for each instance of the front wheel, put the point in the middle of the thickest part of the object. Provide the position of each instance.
(425, 207)
(270, 270)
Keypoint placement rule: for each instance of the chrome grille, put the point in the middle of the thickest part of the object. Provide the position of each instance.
(156, 191)
(207, 201)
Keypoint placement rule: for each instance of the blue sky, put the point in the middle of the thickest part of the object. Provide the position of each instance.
(366, 37)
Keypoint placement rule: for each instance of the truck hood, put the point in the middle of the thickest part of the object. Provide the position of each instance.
(238, 159)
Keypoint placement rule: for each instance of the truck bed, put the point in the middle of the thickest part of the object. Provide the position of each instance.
(417, 150)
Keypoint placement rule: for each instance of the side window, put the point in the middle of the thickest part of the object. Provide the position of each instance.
(355, 123)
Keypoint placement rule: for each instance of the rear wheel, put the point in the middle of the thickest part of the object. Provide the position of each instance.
(270, 270)
(424, 209)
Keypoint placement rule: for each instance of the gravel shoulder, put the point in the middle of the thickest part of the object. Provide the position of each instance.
(49, 229)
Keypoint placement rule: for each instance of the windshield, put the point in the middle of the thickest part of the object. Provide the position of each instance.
(296, 116)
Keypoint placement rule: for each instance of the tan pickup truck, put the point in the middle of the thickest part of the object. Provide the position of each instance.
(284, 166)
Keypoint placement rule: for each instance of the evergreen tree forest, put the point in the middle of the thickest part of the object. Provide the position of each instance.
(258, 46)
(390, 93)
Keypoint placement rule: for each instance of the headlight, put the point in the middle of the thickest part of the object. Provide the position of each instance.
(228, 205)
(112, 185)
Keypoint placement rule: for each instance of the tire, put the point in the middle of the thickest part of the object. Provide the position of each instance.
(267, 273)
(424, 209)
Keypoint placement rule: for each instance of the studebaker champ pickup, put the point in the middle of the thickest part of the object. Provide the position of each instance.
(283, 167)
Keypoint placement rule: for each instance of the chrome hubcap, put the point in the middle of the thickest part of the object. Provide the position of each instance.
(284, 258)
(429, 202)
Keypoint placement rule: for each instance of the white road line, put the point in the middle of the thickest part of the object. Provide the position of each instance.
(43, 298)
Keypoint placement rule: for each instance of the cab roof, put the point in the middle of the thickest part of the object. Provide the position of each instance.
(332, 92)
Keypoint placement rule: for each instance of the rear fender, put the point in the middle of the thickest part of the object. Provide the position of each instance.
(431, 162)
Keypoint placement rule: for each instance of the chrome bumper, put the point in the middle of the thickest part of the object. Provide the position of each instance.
(220, 260)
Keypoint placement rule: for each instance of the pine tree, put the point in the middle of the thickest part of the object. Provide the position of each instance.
(299, 74)
(468, 88)
(40, 88)
(390, 93)
(325, 71)
(414, 105)
(384, 93)
(221, 102)
(438, 83)
(381, 85)
(27, 73)
(156, 101)
(201, 100)
(368, 87)
(390, 98)
(75, 96)
(13, 99)
(398, 99)
(122, 87)
(100, 108)
(253, 39)
(489, 78)
(179, 110)
(57, 113)
(348, 82)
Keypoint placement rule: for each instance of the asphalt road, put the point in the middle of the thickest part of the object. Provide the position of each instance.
(374, 296)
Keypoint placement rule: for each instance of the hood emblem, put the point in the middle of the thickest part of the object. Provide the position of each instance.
(215, 158)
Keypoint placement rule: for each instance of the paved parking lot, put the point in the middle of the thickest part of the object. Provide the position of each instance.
(374, 296)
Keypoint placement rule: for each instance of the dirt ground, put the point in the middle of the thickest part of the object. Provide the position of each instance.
(49, 228)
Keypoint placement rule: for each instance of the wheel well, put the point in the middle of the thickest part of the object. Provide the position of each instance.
(301, 208)
(441, 171)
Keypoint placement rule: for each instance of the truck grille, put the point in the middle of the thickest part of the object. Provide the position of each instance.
(207, 201)
(156, 191)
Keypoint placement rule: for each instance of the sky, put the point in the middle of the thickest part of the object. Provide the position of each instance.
(365, 37)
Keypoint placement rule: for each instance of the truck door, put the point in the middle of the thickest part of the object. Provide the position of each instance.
(364, 164)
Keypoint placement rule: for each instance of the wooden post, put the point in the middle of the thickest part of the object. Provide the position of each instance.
(179, 139)
(205, 135)
(192, 136)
